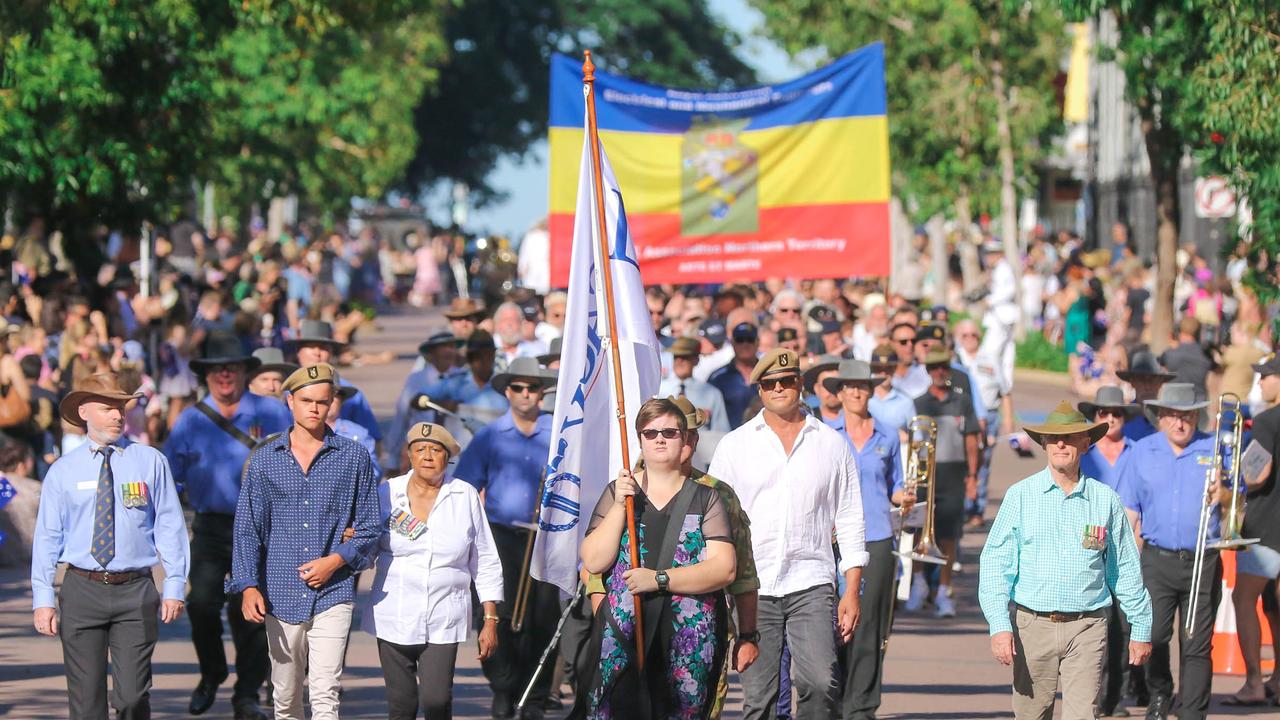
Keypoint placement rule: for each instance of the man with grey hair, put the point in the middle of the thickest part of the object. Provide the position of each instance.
(508, 338)
(787, 307)
(553, 309)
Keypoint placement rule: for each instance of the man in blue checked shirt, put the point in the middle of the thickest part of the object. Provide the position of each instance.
(1060, 549)
(297, 573)
(1162, 485)
(109, 510)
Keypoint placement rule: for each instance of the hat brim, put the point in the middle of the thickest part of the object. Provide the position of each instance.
(428, 346)
(775, 372)
(285, 369)
(1038, 432)
(834, 384)
(545, 378)
(296, 343)
(1150, 408)
(70, 404)
(450, 447)
(200, 366)
(548, 358)
(459, 314)
(811, 375)
(1129, 375)
(1090, 410)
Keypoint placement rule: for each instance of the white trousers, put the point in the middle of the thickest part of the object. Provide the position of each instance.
(312, 650)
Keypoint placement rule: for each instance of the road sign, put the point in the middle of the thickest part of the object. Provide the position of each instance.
(1214, 199)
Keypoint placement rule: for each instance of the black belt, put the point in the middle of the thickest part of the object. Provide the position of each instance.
(109, 577)
(1061, 617)
(1180, 554)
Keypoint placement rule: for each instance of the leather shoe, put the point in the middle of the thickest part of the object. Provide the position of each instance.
(502, 707)
(1159, 708)
(248, 709)
(203, 696)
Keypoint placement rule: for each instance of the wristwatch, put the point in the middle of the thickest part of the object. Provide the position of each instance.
(752, 637)
(662, 579)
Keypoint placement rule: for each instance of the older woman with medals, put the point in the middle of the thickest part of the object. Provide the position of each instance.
(687, 559)
(435, 543)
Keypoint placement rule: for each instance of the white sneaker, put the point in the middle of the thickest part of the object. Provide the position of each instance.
(919, 593)
(946, 608)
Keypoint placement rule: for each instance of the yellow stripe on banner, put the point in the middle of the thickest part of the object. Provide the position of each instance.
(840, 160)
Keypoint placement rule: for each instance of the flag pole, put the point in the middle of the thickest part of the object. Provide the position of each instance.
(606, 273)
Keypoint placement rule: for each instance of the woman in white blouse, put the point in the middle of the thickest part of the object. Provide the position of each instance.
(435, 543)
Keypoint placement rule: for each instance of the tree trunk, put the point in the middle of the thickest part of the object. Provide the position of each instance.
(938, 249)
(1163, 152)
(1008, 194)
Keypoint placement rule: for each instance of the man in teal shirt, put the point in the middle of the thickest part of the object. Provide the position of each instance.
(1060, 548)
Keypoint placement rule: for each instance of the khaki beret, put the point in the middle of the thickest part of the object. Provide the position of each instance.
(431, 432)
(686, 347)
(778, 361)
(310, 375)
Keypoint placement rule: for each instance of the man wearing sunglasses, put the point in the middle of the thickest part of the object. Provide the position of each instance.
(797, 479)
(505, 461)
(733, 380)
(910, 377)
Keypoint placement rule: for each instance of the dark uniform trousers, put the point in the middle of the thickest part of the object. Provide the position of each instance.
(210, 565)
(511, 667)
(1167, 575)
(864, 655)
(97, 618)
(1116, 666)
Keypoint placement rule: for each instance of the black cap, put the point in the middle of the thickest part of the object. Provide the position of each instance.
(713, 330)
(745, 332)
(1268, 365)
(931, 331)
(822, 314)
(787, 334)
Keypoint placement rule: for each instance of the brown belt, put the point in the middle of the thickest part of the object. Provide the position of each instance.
(108, 577)
(1061, 617)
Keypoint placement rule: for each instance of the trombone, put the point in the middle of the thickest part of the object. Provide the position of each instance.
(520, 606)
(1226, 454)
(921, 473)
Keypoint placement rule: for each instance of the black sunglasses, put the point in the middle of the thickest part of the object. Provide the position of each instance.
(906, 341)
(786, 383)
(521, 388)
(667, 433)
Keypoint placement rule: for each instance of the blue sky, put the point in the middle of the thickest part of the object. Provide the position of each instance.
(526, 183)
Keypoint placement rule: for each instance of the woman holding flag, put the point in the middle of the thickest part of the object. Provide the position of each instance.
(687, 559)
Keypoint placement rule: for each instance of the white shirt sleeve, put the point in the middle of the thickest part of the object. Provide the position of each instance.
(486, 567)
(850, 523)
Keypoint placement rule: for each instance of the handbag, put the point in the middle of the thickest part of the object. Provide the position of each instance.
(13, 409)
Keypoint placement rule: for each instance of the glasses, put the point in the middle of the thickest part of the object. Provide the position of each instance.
(791, 310)
(783, 383)
(1186, 416)
(521, 388)
(905, 341)
(666, 433)
(1110, 412)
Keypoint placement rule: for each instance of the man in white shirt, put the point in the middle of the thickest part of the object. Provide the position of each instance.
(682, 383)
(534, 263)
(1002, 306)
(797, 480)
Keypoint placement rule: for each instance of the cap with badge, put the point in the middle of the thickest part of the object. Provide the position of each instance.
(787, 334)
(1269, 364)
(308, 376)
(431, 432)
(686, 347)
(828, 321)
(713, 330)
(778, 361)
(745, 332)
(931, 331)
(883, 356)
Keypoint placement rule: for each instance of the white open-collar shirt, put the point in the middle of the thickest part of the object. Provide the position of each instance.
(422, 588)
(794, 501)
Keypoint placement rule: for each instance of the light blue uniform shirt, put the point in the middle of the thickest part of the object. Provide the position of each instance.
(879, 474)
(1166, 490)
(894, 410)
(355, 431)
(507, 466)
(1095, 465)
(702, 395)
(1036, 556)
(418, 383)
(461, 388)
(147, 535)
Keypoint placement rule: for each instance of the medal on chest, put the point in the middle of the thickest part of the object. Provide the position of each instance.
(1095, 537)
(134, 494)
(402, 523)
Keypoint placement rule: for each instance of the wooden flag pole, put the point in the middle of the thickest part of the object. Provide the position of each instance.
(611, 318)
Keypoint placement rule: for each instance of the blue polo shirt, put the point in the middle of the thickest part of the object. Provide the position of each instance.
(737, 392)
(1138, 428)
(894, 410)
(1095, 465)
(1166, 490)
(879, 475)
(507, 466)
(207, 462)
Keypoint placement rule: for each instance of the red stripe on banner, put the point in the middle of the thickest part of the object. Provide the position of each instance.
(802, 241)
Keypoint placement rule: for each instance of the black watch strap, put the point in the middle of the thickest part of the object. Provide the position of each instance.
(663, 579)
(750, 637)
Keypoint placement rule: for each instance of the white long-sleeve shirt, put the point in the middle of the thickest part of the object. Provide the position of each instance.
(793, 502)
(422, 588)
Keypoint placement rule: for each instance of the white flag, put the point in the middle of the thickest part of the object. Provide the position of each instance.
(581, 463)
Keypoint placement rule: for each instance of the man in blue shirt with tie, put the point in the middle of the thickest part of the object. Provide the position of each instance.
(207, 450)
(1162, 485)
(685, 352)
(733, 380)
(506, 460)
(110, 531)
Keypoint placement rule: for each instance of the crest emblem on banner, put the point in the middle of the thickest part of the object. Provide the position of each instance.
(718, 180)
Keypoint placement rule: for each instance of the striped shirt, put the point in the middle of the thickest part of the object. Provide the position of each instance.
(1066, 553)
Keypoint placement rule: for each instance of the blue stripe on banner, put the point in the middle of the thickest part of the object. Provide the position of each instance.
(563, 504)
(852, 86)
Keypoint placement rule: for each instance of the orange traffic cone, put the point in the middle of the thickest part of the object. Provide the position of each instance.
(1227, 659)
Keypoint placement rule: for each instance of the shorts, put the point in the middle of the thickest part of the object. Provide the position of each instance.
(1259, 561)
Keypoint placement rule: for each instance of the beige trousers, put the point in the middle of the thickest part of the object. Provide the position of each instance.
(310, 651)
(1049, 652)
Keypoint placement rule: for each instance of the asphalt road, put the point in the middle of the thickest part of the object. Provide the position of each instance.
(935, 669)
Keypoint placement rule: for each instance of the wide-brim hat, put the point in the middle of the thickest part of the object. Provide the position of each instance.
(553, 352)
(102, 387)
(315, 332)
(820, 365)
(1144, 365)
(223, 348)
(463, 308)
(694, 417)
(1108, 396)
(438, 340)
(852, 371)
(523, 367)
(1066, 420)
(272, 360)
(1173, 396)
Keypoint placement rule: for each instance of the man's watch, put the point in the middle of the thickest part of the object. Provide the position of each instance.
(662, 579)
(752, 637)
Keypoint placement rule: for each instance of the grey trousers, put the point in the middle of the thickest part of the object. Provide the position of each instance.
(864, 666)
(805, 617)
(1047, 652)
(98, 619)
(418, 677)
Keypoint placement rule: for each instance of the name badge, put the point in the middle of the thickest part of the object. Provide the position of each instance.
(405, 524)
(87, 485)
(1095, 537)
(135, 494)
(1204, 459)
